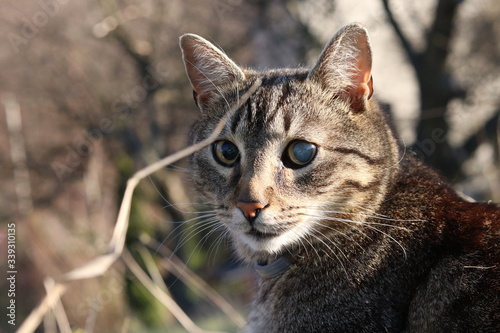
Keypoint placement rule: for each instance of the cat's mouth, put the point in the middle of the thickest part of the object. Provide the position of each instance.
(260, 235)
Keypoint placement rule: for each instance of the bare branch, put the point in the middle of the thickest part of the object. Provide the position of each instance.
(440, 33)
(409, 50)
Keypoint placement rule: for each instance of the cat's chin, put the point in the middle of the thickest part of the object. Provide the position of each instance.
(253, 245)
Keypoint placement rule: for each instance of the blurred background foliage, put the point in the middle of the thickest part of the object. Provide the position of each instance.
(92, 91)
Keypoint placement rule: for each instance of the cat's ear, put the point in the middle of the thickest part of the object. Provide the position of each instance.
(345, 65)
(207, 67)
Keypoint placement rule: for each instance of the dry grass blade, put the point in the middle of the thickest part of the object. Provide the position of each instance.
(95, 267)
(126, 325)
(101, 264)
(17, 146)
(36, 316)
(160, 295)
(187, 276)
(151, 267)
(60, 314)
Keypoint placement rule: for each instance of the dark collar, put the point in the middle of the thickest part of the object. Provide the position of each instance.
(273, 269)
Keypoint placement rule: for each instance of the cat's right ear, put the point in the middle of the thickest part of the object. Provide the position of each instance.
(345, 65)
(207, 67)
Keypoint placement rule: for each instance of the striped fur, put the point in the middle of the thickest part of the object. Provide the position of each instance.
(291, 104)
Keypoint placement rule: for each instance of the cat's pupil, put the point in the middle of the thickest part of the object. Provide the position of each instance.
(225, 152)
(300, 153)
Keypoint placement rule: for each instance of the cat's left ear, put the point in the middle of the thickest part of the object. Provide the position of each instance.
(345, 65)
(207, 67)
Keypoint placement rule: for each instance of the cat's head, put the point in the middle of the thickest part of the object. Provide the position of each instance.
(307, 151)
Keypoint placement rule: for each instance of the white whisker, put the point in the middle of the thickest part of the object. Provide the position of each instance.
(214, 247)
(178, 168)
(350, 238)
(373, 215)
(368, 225)
(199, 227)
(401, 158)
(333, 252)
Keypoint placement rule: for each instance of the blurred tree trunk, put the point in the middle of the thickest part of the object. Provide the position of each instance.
(436, 90)
(279, 38)
(436, 85)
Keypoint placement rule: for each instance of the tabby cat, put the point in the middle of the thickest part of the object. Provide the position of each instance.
(349, 232)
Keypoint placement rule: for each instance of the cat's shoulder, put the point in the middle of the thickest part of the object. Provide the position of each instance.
(463, 222)
(477, 226)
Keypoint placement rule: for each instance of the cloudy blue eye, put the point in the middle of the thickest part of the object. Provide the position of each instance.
(299, 153)
(225, 152)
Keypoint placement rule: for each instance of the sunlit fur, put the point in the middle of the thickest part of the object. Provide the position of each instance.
(374, 235)
(360, 144)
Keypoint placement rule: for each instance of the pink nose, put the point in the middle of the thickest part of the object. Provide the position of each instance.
(250, 209)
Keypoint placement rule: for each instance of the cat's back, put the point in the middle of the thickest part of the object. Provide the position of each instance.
(460, 291)
(461, 237)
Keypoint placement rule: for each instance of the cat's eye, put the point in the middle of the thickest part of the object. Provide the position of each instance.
(299, 153)
(225, 152)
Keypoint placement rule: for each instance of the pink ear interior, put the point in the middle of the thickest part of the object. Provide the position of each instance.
(362, 81)
(207, 67)
(344, 66)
